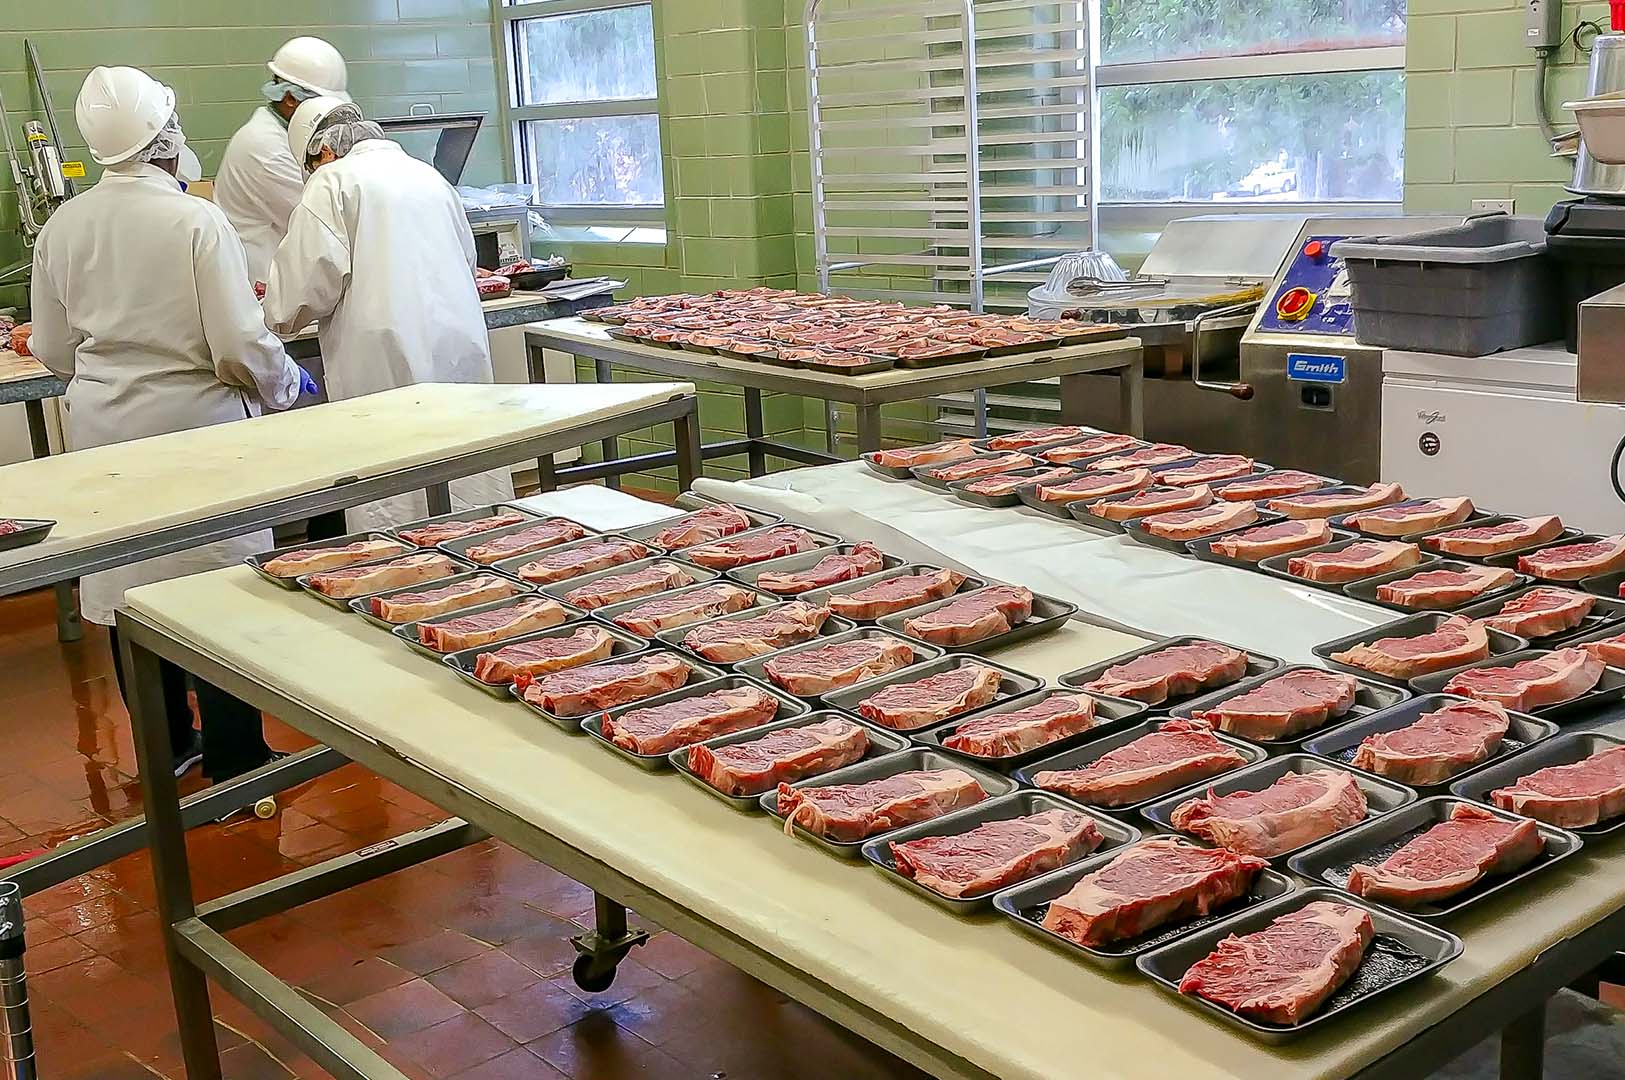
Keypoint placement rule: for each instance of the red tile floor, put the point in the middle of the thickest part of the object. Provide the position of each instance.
(455, 968)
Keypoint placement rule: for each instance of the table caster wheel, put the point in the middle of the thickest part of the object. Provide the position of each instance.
(592, 976)
(265, 809)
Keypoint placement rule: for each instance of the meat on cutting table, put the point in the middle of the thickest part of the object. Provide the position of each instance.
(426, 604)
(847, 813)
(1610, 650)
(1436, 745)
(729, 641)
(583, 690)
(485, 627)
(1409, 518)
(1449, 858)
(1009, 483)
(996, 854)
(1363, 558)
(862, 560)
(1100, 444)
(1094, 486)
(1571, 796)
(907, 706)
(896, 594)
(1148, 457)
(1177, 754)
(680, 609)
(1295, 810)
(1195, 524)
(779, 757)
(381, 577)
(317, 560)
(660, 729)
(1285, 705)
(1286, 971)
(1273, 485)
(982, 465)
(586, 645)
(702, 527)
(1329, 503)
(1457, 641)
(1571, 562)
(1206, 470)
(934, 454)
(1006, 734)
(1531, 684)
(655, 578)
(588, 557)
(1151, 884)
(1153, 501)
(1431, 590)
(973, 616)
(1542, 612)
(548, 534)
(1044, 436)
(822, 668)
(443, 532)
(1480, 541)
(747, 548)
(1177, 671)
(1277, 538)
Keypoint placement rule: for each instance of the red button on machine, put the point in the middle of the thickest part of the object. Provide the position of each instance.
(1295, 304)
(1314, 249)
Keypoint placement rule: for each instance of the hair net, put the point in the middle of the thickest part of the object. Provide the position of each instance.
(340, 130)
(277, 89)
(168, 143)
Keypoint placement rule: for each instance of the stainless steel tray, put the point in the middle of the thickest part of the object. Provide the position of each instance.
(1366, 588)
(362, 605)
(1610, 688)
(750, 573)
(846, 588)
(460, 548)
(673, 638)
(1411, 626)
(464, 661)
(1257, 664)
(342, 603)
(881, 743)
(1604, 612)
(697, 672)
(646, 533)
(476, 514)
(789, 709)
(1611, 586)
(1565, 749)
(559, 589)
(1111, 714)
(1013, 685)
(923, 653)
(33, 530)
(408, 632)
(1369, 697)
(257, 563)
(1049, 614)
(511, 567)
(609, 612)
(1276, 565)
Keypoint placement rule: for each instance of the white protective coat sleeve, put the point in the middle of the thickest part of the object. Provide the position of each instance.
(245, 353)
(308, 276)
(54, 343)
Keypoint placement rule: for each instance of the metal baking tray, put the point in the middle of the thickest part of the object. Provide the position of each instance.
(1366, 588)
(592, 724)
(1114, 835)
(748, 574)
(1381, 796)
(922, 473)
(1604, 612)
(1611, 586)
(1136, 530)
(963, 356)
(342, 603)
(464, 660)
(257, 563)
(1411, 626)
(1341, 744)
(869, 366)
(923, 654)
(879, 768)
(460, 548)
(408, 632)
(1203, 549)
(1568, 536)
(1403, 950)
(881, 743)
(1565, 749)
(822, 596)
(362, 605)
(1328, 482)
(697, 673)
(646, 533)
(822, 542)
(1510, 559)
(899, 472)
(1369, 697)
(558, 589)
(608, 612)
(511, 567)
(673, 638)
(1012, 498)
(1330, 861)
(476, 514)
(1082, 755)
(1477, 517)
(1029, 902)
(1276, 565)
(1014, 685)
(1111, 714)
(1054, 342)
(1257, 664)
(33, 530)
(1610, 688)
(1048, 614)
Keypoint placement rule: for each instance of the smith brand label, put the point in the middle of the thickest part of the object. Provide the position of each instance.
(1315, 367)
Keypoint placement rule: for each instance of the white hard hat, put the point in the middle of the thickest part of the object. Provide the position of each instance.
(120, 111)
(313, 64)
(306, 119)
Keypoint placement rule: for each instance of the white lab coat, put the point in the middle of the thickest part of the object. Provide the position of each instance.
(258, 186)
(380, 255)
(141, 301)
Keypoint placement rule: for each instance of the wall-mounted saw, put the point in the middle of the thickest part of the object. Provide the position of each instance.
(43, 180)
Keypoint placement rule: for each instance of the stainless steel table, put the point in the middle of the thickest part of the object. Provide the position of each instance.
(867, 394)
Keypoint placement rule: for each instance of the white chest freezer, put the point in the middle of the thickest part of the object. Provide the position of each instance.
(1505, 430)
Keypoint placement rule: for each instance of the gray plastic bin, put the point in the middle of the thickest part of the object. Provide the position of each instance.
(1468, 290)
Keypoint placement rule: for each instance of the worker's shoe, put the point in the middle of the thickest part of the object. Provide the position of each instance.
(190, 756)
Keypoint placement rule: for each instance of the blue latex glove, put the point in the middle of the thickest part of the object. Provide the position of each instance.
(307, 385)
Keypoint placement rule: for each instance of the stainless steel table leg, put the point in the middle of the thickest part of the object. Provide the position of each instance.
(831, 429)
(611, 447)
(868, 428)
(16, 1026)
(536, 368)
(1131, 397)
(601, 949)
(67, 607)
(439, 498)
(755, 430)
(980, 396)
(167, 838)
(1523, 1046)
(686, 434)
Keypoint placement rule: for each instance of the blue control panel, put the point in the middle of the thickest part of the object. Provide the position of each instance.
(1313, 296)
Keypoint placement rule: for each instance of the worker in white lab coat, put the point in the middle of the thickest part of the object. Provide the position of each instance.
(380, 256)
(259, 183)
(141, 301)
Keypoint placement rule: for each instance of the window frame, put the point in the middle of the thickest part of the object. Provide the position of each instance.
(515, 115)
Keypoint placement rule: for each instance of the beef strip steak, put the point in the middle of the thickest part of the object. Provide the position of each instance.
(906, 706)
(1178, 753)
(353, 581)
(1295, 810)
(1177, 671)
(1021, 440)
(1149, 457)
(1095, 447)
(1570, 796)
(1363, 558)
(680, 609)
(728, 641)
(583, 646)
(1154, 501)
(1531, 684)
(1449, 858)
(820, 669)
(1285, 705)
(1009, 483)
(444, 532)
(1195, 524)
(1542, 612)
(1273, 485)
(1610, 650)
(427, 603)
(485, 627)
(618, 588)
(1455, 642)
(779, 757)
(982, 465)
(573, 562)
(848, 813)
(1005, 734)
(1329, 503)
(753, 547)
(934, 454)
(1431, 590)
(863, 559)
(1437, 745)
(1571, 562)
(538, 537)
(1206, 470)
(1278, 538)
(896, 594)
(1481, 541)
(659, 729)
(996, 854)
(316, 560)
(702, 527)
(1094, 486)
(580, 691)
(973, 616)
(1409, 518)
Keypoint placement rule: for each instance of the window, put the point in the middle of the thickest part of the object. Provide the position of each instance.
(1238, 104)
(586, 123)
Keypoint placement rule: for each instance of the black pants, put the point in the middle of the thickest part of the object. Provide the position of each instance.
(328, 526)
(233, 731)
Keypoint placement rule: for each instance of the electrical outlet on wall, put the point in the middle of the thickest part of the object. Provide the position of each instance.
(1494, 206)
(1543, 23)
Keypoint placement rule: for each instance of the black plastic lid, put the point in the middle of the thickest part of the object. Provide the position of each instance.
(1593, 218)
